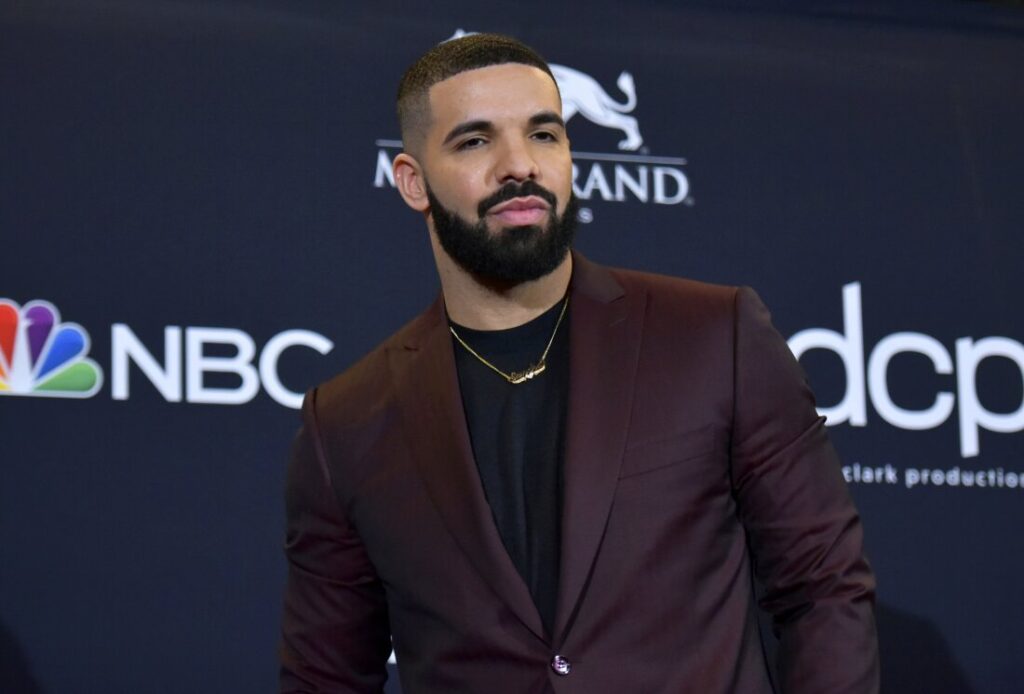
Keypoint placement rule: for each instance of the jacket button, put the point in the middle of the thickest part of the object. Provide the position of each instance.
(561, 666)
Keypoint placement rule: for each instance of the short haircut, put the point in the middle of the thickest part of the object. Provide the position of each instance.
(446, 60)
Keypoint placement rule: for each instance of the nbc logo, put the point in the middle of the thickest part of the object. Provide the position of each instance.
(41, 356)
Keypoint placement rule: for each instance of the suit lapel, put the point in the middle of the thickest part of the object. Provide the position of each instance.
(427, 383)
(605, 329)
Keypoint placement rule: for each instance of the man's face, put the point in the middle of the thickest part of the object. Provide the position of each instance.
(498, 169)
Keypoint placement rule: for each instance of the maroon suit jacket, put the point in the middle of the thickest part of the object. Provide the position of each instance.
(694, 458)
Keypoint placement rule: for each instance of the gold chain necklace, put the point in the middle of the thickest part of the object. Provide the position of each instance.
(530, 371)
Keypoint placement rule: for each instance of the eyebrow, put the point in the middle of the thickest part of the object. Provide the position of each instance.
(545, 117)
(468, 127)
(542, 118)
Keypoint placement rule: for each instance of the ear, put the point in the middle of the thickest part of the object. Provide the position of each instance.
(409, 180)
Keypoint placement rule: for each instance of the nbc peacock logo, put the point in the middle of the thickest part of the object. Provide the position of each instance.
(41, 356)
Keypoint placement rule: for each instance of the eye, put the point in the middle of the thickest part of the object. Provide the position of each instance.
(471, 143)
(545, 136)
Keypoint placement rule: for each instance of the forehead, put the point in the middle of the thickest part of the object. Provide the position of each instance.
(493, 93)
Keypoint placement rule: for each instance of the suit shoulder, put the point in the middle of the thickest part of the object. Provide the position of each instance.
(677, 297)
(364, 387)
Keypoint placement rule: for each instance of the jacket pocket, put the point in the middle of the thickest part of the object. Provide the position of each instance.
(654, 454)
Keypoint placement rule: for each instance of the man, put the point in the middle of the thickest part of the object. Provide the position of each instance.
(561, 477)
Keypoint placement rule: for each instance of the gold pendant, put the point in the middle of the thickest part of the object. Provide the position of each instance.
(525, 375)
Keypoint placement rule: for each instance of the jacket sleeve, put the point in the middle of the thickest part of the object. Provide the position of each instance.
(335, 634)
(804, 532)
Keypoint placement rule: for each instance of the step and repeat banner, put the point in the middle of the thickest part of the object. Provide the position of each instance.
(198, 222)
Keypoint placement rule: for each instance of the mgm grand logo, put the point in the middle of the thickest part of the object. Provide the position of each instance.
(627, 174)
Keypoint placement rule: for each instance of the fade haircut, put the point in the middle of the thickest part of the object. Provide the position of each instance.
(446, 60)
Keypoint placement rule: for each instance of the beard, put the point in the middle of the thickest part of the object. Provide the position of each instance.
(510, 255)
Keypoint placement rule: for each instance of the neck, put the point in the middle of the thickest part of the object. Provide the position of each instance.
(482, 306)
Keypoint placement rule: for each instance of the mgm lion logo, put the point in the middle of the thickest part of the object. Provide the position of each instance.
(584, 95)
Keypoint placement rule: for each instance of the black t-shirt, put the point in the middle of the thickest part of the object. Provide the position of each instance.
(518, 437)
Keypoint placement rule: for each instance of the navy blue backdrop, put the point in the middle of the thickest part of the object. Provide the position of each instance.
(197, 224)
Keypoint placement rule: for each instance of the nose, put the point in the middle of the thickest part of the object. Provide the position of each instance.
(516, 161)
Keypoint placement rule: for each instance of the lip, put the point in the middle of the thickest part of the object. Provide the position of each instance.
(531, 202)
(525, 211)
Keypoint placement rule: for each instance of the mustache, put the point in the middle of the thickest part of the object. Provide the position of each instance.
(516, 190)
